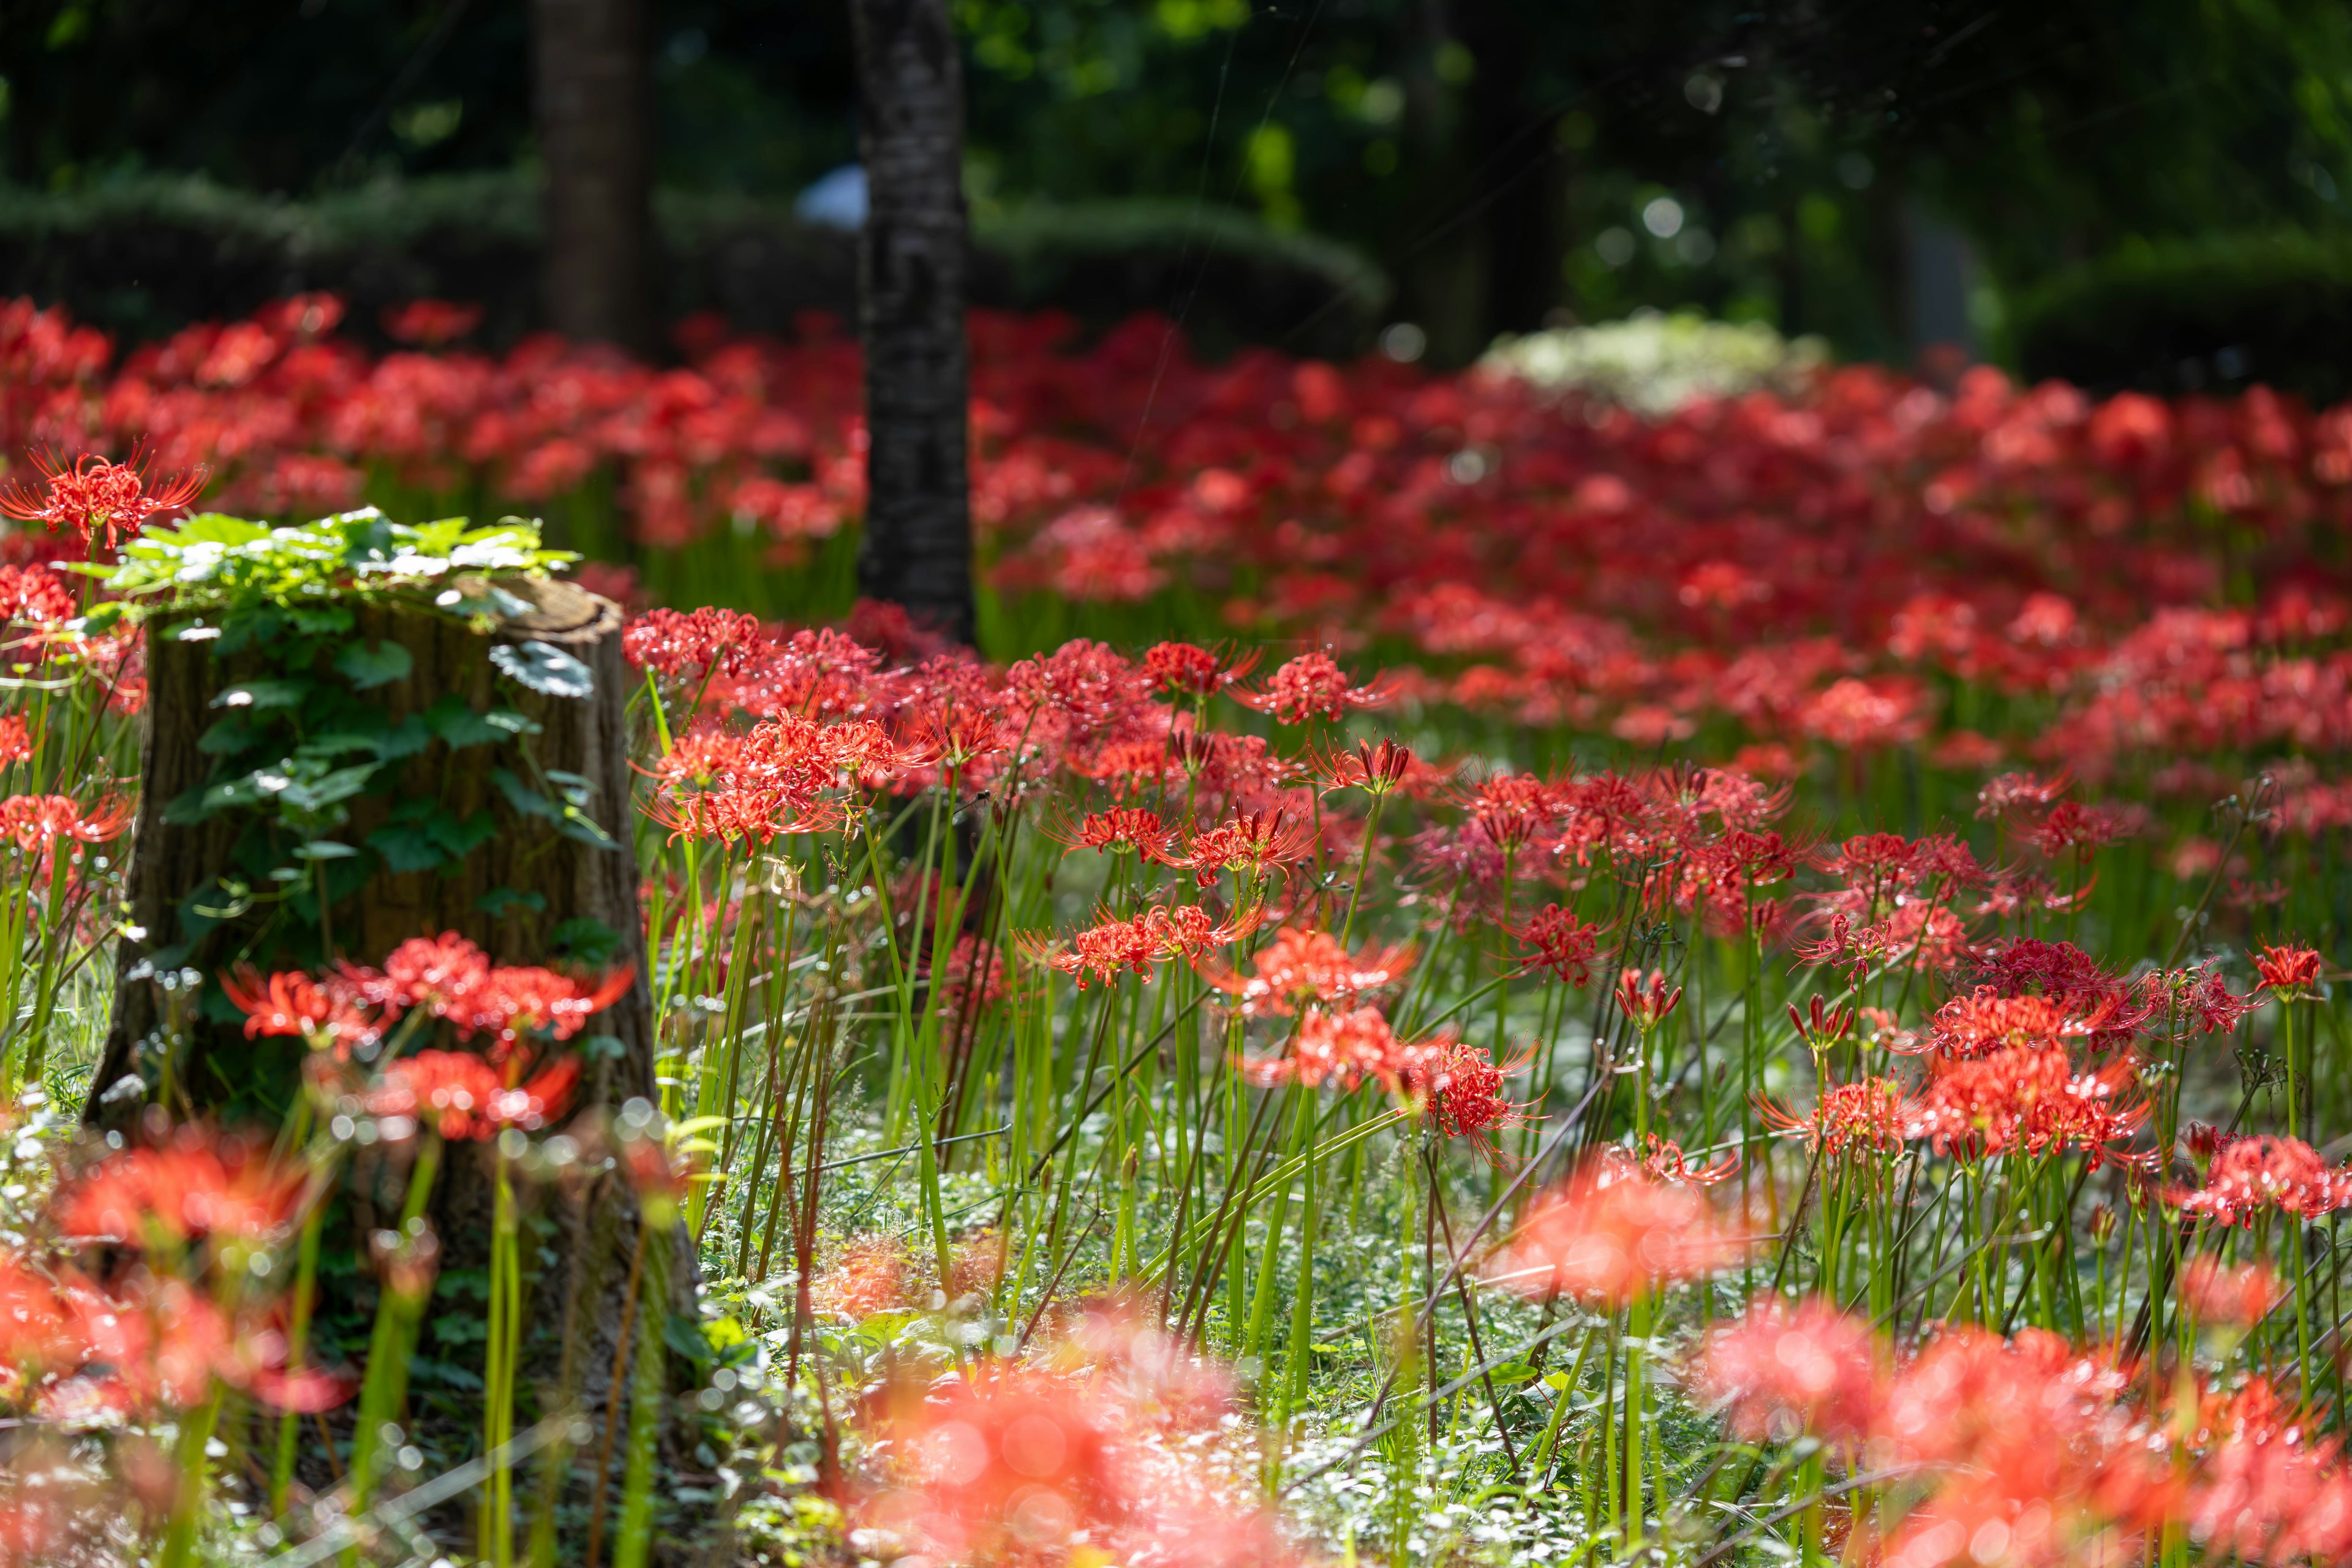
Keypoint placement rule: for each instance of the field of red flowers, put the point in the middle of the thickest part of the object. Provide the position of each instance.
(1478, 979)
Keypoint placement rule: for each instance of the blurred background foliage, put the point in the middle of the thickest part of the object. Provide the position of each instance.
(2110, 191)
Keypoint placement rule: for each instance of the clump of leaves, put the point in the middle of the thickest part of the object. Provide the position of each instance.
(215, 562)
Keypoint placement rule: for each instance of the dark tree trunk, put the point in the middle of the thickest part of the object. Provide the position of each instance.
(595, 137)
(1519, 171)
(911, 264)
(575, 1306)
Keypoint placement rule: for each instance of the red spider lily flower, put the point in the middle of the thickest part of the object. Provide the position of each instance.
(2291, 971)
(37, 821)
(689, 646)
(1664, 1160)
(1873, 1114)
(1510, 809)
(158, 1344)
(16, 742)
(454, 979)
(871, 1274)
(1784, 1370)
(2071, 825)
(1820, 1026)
(95, 497)
(1112, 946)
(1121, 830)
(1610, 1234)
(430, 323)
(2251, 1174)
(197, 1186)
(1311, 687)
(1557, 944)
(1300, 966)
(2216, 1293)
(2027, 1100)
(1647, 1002)
(743, 813)
(2021, 795)
(2024, 1444)
(1255, 843)
(1376, 769)
(1460, 1086)
(1983, 1022)
(1002, 1463)
(34, 597)
(327, 1014)
(2264, 1492)
(1346, 1046)
(1182, 669)
(462, 1097)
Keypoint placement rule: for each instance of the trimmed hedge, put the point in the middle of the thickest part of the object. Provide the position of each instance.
(2210, 315)
(142, 257)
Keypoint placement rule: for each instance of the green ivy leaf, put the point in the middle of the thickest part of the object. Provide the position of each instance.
(226, 737)
(544, 668)
(524, 798)
(324, 849)
(339, 785)
(368, 665)
(499, 903)
(406, 846)
(284, 691)
(460, 726)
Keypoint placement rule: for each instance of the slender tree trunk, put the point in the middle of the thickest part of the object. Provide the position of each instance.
(595, 136)
(911, 265)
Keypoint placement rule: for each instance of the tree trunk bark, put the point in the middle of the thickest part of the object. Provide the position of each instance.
(595, 137)
(576, 1305)
(911, 263)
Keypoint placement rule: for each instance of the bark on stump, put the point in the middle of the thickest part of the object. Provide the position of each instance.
(575, 1307)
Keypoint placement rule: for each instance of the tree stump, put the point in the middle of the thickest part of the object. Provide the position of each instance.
(507, 895)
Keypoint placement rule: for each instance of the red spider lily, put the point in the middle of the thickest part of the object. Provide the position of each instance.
(95, 497)
(2020, 795)
(1983, 1022)
(1820, 1026)
(1182, 669)
(1311, 687)
(2251, 1174)
(1510, 809)
(689, 645)
(2203, 995)
(1873, 1114)
(200, 1185)
(1647, 1003)
(159, 1344)
(32, 595)
(461, 1096)
(2071, 825)
(1376, 769)
(2026, 1436)
(1121, 830)
(17, 741)
(1664, 1160)
(2028, 1099)
(430, 323)
(1160, 933)
(871, 1274)
(1346, 1046)
(1256, 844)
(1003, 1464)
(454, 979)
(2291, 971)
(37, 821)
(1460, 1086)
(2264, 1492)
(1784, 1370)
(1300, 966)
(1557, 944)
(326, 1013)
(747, 813)
(1610, 1234)
(2216, 1293)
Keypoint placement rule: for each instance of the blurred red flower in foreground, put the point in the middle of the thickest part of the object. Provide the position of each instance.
(198, 1185)
(1613, 1233)
(1790, 1369)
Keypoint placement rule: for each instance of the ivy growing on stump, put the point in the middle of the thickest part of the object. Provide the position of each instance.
(358, 733)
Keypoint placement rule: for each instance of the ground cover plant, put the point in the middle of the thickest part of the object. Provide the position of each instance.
(1745, 985)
